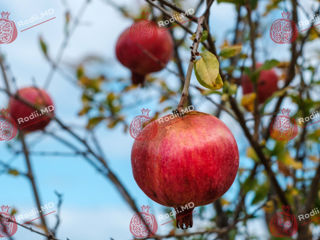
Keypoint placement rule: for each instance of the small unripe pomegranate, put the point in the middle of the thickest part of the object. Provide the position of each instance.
(144, 48)
(28, 118)
(192, 161)
(267, 84)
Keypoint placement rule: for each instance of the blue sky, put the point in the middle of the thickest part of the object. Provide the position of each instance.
(89, 199)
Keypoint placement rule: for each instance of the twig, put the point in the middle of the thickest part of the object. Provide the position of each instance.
(194, 53)
(65, 44)
(33, 184)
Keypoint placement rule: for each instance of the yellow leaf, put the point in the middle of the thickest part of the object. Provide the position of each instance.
(247, 101)
(313, 34)
(252, 154)
(289, 161)
(207, 71)
(230, 51)
(13, 172)
(314, 158)
(269, 207)
(294, 192)
(224, 202)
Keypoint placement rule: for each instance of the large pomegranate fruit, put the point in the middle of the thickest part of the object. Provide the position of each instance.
(144, 48)
(8, 29)
(27, 118)
(267, 84)
(193, 160)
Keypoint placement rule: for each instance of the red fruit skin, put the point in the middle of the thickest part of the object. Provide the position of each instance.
(144, 48)
(267, 84)
(193, 158)
(18, 109)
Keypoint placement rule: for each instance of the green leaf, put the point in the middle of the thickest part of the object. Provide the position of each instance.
(80, 72)
(230, 51)
(260, 194)
(269, 64)
(94, 122)
(207, 71)
(43, 46)
(204, 36)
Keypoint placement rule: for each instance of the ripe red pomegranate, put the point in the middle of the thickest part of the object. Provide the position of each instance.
(27, 118)
(193, 160)
(267, 84)
(144, 48)
(8, 29)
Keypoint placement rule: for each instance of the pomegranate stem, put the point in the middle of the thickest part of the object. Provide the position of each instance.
(137, 78)
(194, 51)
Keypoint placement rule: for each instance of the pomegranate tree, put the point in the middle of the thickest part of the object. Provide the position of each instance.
(28, 118)
(192, 159)
(144, 48)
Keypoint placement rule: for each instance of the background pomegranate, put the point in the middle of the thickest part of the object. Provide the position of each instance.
(144, 48)
(18, 109)
(193, 158)
(8, 29)
(267, 84)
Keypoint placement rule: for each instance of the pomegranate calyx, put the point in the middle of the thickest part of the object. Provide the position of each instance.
(184, 217)
(137, 78)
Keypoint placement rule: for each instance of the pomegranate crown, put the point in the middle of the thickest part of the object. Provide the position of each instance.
(5, 15)
(145, 112)
(286, 15)
(285, 111)
(145, 13)
(5, 209)
(145, 209)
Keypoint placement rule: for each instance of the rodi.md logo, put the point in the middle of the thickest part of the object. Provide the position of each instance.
(8, 29)
(284, 30)
(285, 224)
(8, 126)
(284, 128)
(139, 123)
(8, 225)
(137, 227)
